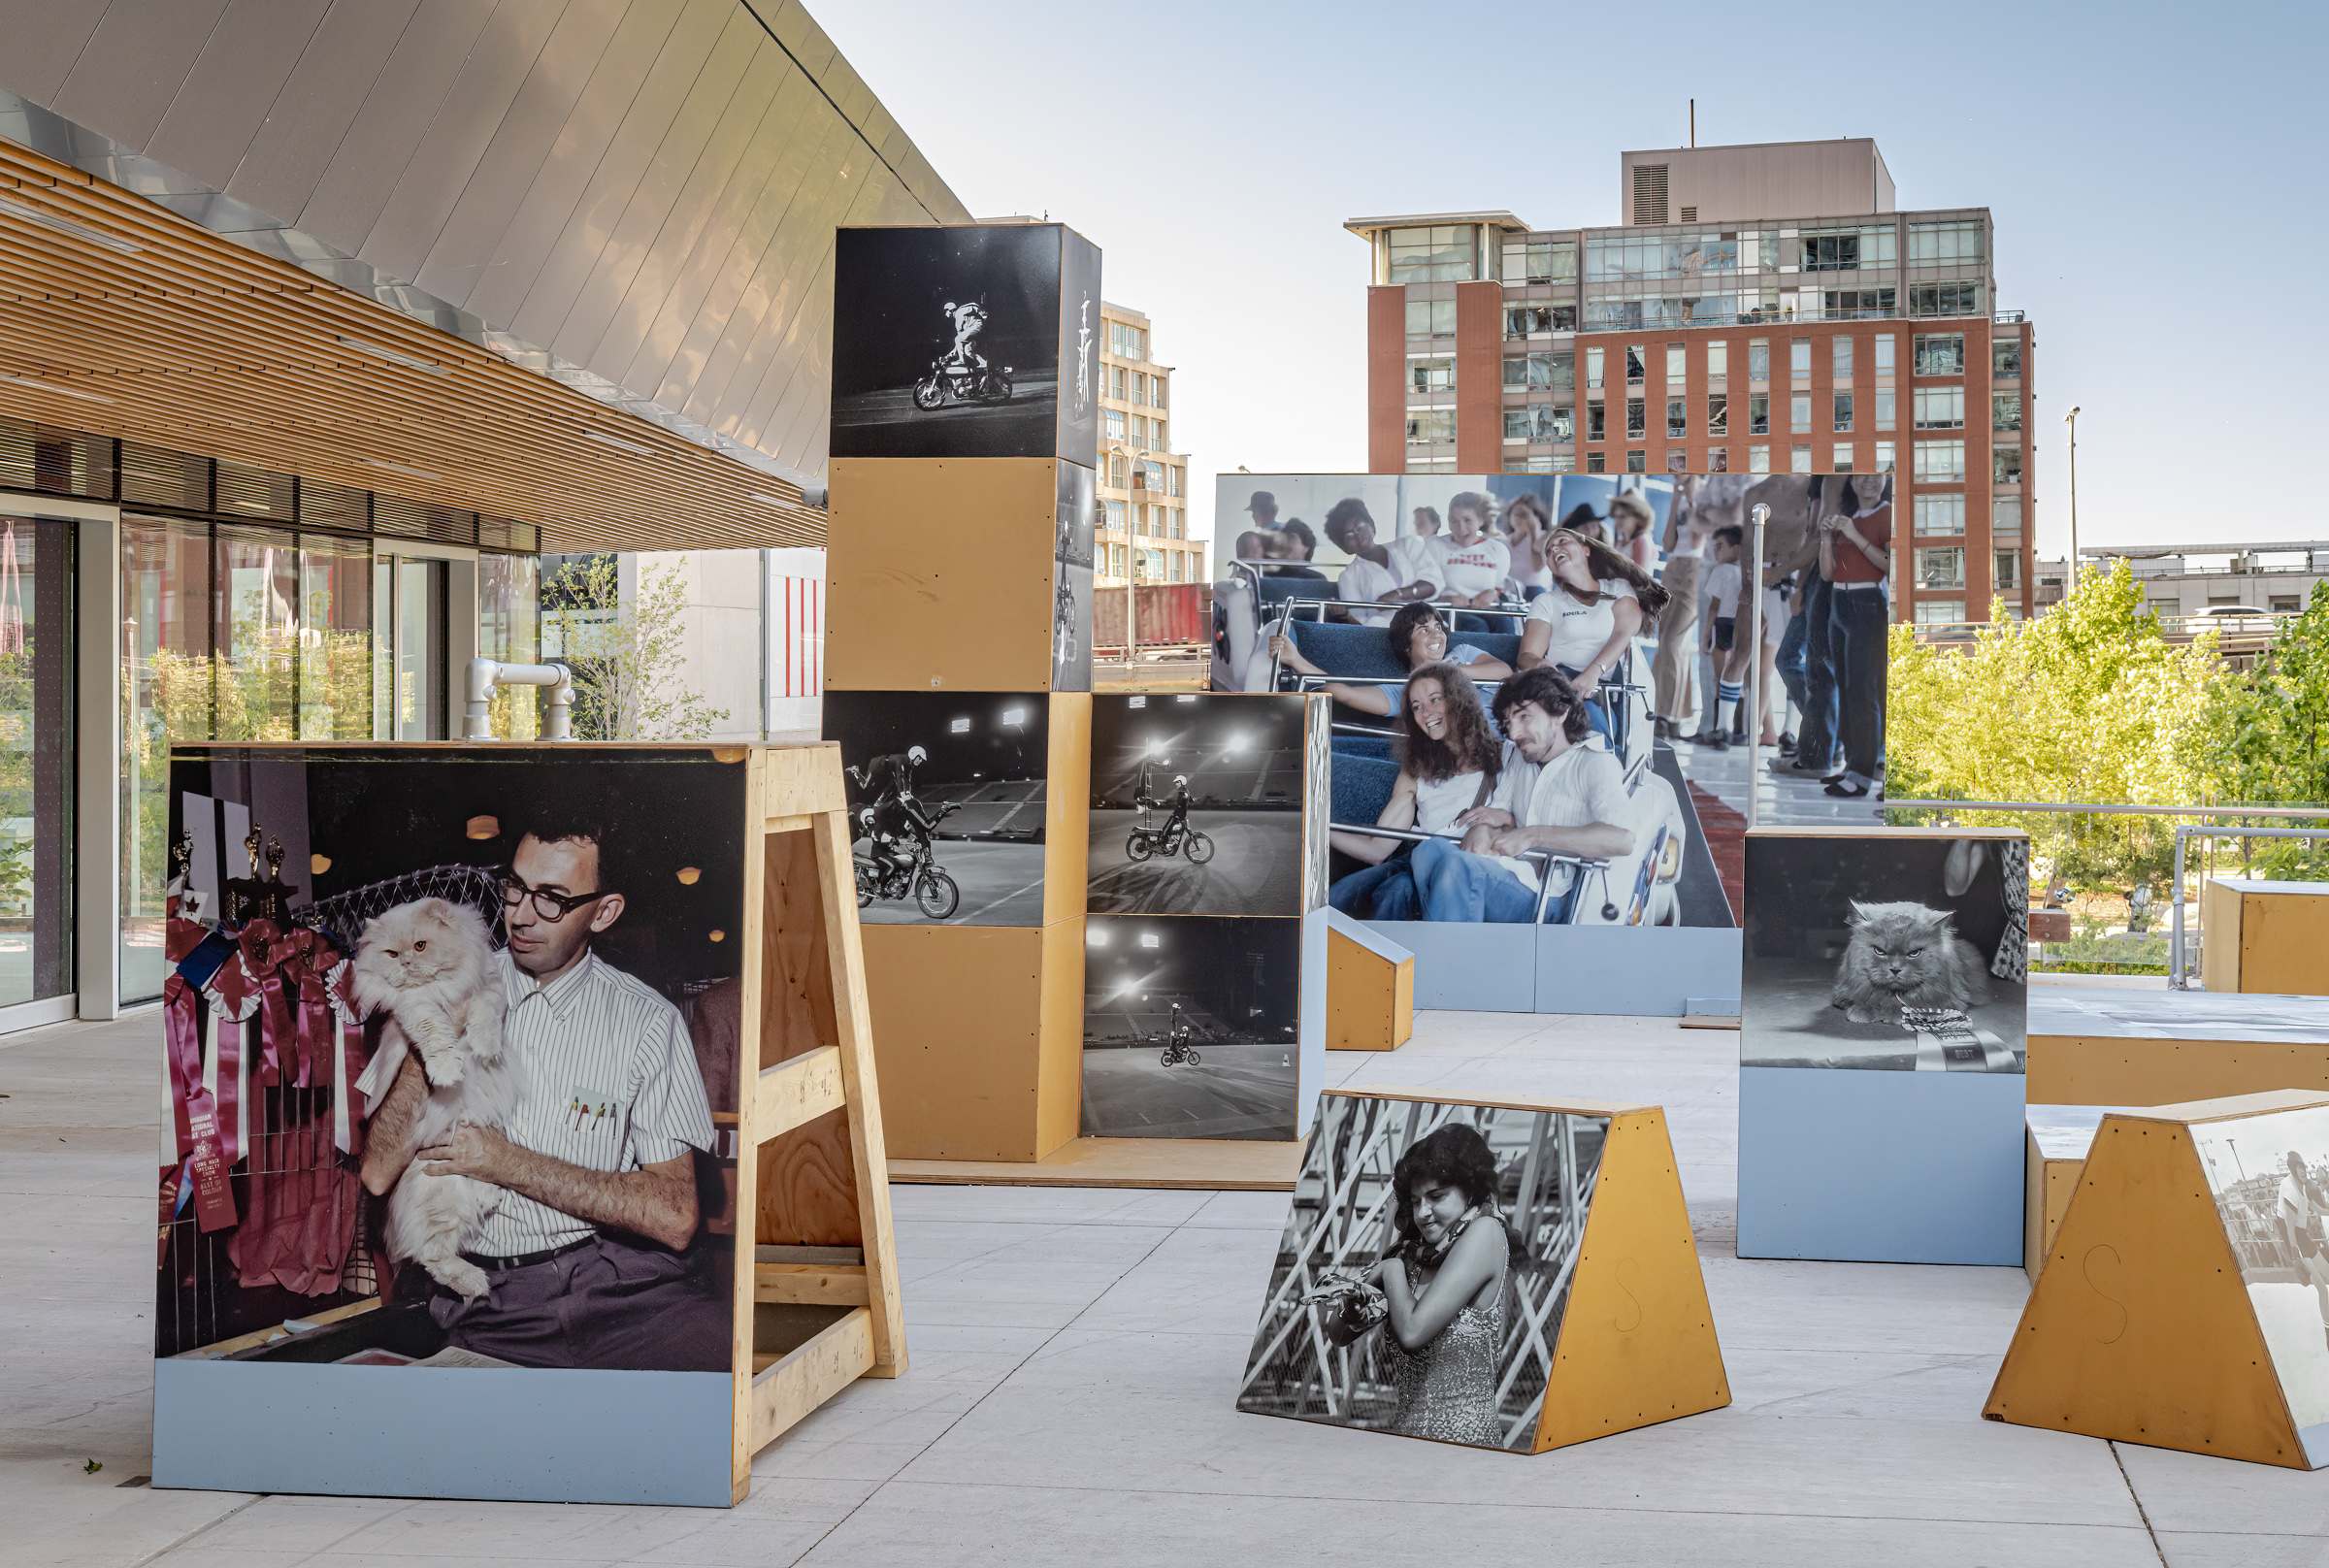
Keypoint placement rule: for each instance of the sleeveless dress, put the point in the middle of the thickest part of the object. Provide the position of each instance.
(1448, 1389)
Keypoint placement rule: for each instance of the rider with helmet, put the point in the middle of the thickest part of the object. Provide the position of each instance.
(968, 320)
(1178, 801)
(896, 811)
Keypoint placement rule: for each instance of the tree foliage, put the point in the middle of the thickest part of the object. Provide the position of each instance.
(2265, 737)
(629, 661)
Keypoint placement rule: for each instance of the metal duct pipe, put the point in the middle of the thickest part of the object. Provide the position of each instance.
(484, 674)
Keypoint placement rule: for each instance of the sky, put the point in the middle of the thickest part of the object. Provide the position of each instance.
(1213, 151)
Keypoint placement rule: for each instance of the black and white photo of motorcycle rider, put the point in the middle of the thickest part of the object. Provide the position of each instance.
(948, 341)
(946, 800)
(1077, 516)
(1190, 1026)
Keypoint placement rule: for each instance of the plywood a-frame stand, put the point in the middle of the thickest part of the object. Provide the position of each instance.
(818, 1308)
(2141, 1327)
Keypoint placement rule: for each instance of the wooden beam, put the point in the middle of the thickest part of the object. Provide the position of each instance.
(815, 1285)
(787, 1387)
(797, 1091)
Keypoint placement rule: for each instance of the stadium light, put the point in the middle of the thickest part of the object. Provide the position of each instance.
(1095, 936)
(1014, 716)
(1137, 701)
(1186, 698)
(1151, 940)
(1232, 746)
(960, 727)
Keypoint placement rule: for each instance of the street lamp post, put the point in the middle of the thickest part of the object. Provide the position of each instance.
(2072, 420)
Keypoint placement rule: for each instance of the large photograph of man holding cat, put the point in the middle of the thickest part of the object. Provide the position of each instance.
(1903, 950)
(539, 962)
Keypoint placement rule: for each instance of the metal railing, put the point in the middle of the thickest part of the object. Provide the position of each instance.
(2179, 975)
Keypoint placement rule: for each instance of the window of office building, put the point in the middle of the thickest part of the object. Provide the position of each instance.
(1126, 341)
(1139, 387)
(1799, 359)
(1840, 356)
(1156, 391)
(2005, 462)
(1595, 428)
(1718, 413)
(1718, 360)
(1945, 244)
(1441, 254)
(2284, 603)
(1115, 424)
(1884, 457)
(1939, 611)
(1758, 413)
(2007, 564)
(1428, 425)
(1564, 424)
(1540, 372)
(1883, 353)
(1940, 461)
(1940, 353)
(1595, 463)
(1117, 384)
(1677, 418)
(1538, 259)
(1758, 360)
(1843, 457)
(2004, 358)
(1637, 462)
(1758, 459)
(1431, 375)
(1800, 458)
(1530, 424)
(1533, 318)
(1799, 412)
(1115, 478)
(1115, 520)
(1883, 410)
(1717, 460)
(1940, 569)
(1592, 366)
(1678, 460)
(1843, 249)
(1944, 298)
(1156, 436)
(1636, 364)
(1843, 411)
(1678, 362)
(1430, 318)
(2005, 514)
(2004, 410)
(1940, 407)
(1636, 418)
(1942, 515)
(1856, 304)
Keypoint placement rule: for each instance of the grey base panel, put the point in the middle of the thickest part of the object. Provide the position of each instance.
(1881, 1167)
(523, 1434)
(2098, 1012)
(1647, 970)
(1633, 969)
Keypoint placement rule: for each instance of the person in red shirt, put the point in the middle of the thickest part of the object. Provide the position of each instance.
(1856, 542)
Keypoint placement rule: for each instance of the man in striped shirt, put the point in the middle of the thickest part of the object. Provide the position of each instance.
(592, 1259)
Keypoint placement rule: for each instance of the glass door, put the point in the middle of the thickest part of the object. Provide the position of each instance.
(36, 759)
(409, 691)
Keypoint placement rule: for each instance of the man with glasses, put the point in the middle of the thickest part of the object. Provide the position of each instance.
(592, 1259)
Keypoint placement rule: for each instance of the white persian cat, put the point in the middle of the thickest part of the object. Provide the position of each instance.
(429, 966)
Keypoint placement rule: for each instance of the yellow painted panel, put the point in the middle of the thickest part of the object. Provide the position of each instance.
(2066, 1069)
(1363, 996)
(1060, 1067)
(955, 1013)
(939, 574)
(1637, 1343)
(2139, 1327)
(1067, 809)
(2284, 943)
(2220, 949)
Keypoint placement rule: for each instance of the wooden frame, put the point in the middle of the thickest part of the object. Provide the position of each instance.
(808, 1116)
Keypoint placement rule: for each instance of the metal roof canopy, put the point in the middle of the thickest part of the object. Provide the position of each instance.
(127, 320)
(2150, 552)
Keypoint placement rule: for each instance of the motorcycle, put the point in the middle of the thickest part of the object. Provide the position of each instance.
(1178, 1050)
(1169, 841)
(933, 891)
(963, 383)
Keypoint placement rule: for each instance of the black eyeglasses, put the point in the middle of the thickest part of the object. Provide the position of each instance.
(551, 908)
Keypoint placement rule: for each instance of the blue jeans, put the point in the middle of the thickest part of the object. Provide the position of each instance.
(1816, 741)
(1788, 663)
(1858, 627)
(1455, 884)
(1382, 892)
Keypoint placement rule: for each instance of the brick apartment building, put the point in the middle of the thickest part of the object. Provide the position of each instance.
(1713, 333)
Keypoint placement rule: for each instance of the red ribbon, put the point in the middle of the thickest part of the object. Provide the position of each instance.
(306, 960)
(181, 1035)
(200, 1115)
(259, 941)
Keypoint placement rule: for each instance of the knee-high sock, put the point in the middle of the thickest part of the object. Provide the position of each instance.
(1729, 693)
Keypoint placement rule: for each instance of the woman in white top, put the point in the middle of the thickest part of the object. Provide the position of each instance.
(1376, 573)
(1447, 763)
(1418, 637)
(1631, 519)
(1473, 562)
(1527, 528)
(1583, 625)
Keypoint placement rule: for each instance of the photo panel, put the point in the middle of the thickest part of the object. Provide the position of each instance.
(1256, 511)
(1198, 803)
(949, 343)
(1192, 1027)
(1493, 1198)
(528, 961)
(2270, 1176)
(1891, 951)
(946, 804)
(1080, 341)
(1076, 520)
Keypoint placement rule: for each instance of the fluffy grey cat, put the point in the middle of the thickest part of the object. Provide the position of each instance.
(429, 966)
(1905, 954)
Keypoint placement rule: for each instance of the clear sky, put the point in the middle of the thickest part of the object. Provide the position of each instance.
(2144, 165)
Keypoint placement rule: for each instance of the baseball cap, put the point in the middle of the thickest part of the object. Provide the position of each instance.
(1263, 498)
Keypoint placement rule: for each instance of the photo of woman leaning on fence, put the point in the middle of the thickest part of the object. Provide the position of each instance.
(1420, 1286)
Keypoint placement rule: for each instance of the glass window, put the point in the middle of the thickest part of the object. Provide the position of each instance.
(1941, 515)
(1677, 418)
(1843, 410)
(1530, 424)
(1592, 366)
(1883, 410)
(1857, 304)
(1941, 462)
(1840, 356)
(2005, 516)
(1941, 353)
(1884, 457)
(1430, 318)
(255, 629)
(1678, 362)
(2004, 358)
(1530, 318)
(1156, 391)
(1940, 407)
(1540, 259)
(1883, 353)
(2007, 462)
(1758, 360)
(1127, 340)
(1843, 457)
(1595, 427)
(1944, 298)
(1431, 375)
(1636, 418)
(1718, 413)
(1564, 424)
(332, 674)
(1835, 250)
(36, 754)
(1440, 253)
(2004, 410)
(1115, 423)
(1637, 462)
(1799, 412)
(1560, 369)
(1758, 459)
(1758, 413)
(1636, 364)
(2007, 567)
(1678, 460)
(1718, 359)
(1717, 460)
(1945, 244)
(1115, 520)
(1939, 611)
(1940, 569)
(1156, 437)
(1428, 425)
(1595, 463)
(166, 697)
(1799, 359)
(1516, 372)
(1800, 458)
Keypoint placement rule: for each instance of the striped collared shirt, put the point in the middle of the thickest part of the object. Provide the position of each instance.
(611, 1085)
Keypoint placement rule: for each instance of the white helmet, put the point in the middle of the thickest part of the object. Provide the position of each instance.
(1180, 781)
(916, 755)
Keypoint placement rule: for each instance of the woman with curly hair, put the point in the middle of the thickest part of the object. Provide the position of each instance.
(1583, 625)
(1418, 636)
(1448, 759)
(1439, 1290)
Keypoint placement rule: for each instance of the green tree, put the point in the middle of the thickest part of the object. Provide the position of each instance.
(630, 668)
(2264, 737)
(2089, 701)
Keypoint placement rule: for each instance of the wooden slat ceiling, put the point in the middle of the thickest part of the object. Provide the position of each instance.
(193, 343)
